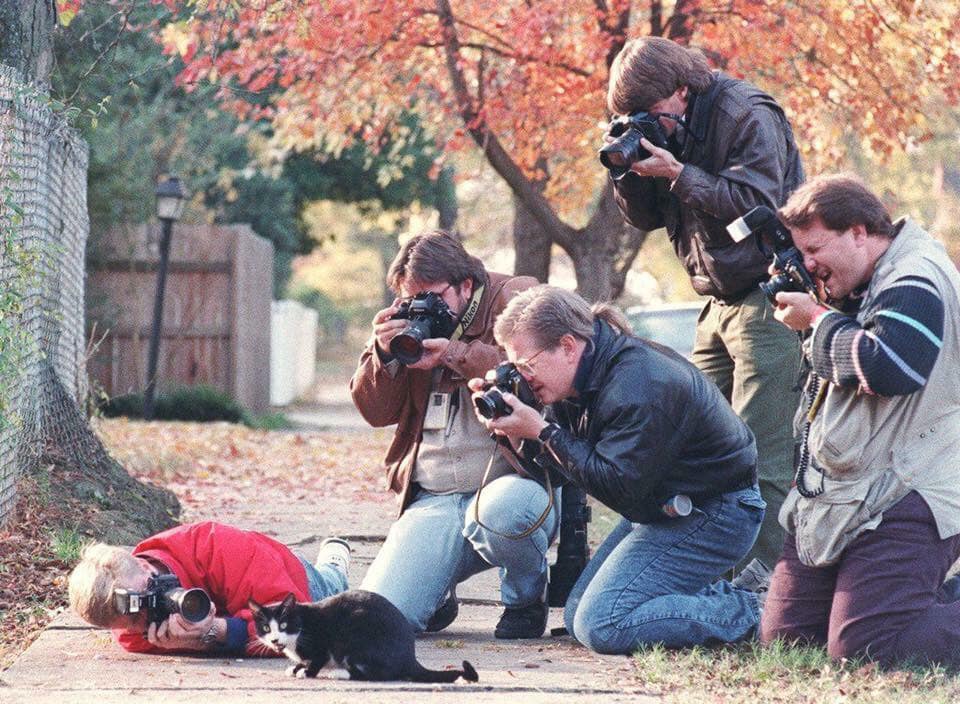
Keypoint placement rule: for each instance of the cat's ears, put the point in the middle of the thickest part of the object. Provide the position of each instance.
(256, 609)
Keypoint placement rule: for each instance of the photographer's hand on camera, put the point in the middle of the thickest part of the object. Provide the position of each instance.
(661, 163)
(523, 423)
(797, 310)
(385, 328)
(433, 351)
(177, 633)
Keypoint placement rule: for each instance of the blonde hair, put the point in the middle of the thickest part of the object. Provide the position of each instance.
(547, 313)
(102, 569)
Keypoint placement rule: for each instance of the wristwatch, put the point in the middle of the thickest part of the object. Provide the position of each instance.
(546, 435)
(210, 637)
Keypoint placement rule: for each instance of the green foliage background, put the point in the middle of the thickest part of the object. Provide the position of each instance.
(140, 124)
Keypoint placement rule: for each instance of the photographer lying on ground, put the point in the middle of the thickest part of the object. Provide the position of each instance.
(130, 592)
(637, 426)
(712, 148)
(414, 371)
(872, 526)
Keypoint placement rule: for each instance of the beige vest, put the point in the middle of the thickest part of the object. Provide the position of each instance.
(873, 450)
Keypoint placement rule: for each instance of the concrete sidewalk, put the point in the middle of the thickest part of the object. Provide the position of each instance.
(72, 662)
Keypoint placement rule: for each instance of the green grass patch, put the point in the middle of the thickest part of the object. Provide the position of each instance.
(268, 421)
(201, 404)
(66, 544)
(749, 673)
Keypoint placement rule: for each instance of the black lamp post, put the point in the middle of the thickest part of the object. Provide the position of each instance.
(171, 197)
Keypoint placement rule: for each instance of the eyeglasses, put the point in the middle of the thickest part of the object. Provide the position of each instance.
(525, 366)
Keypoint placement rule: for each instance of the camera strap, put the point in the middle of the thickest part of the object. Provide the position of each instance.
(817, 392)
(514, 460)
(470, 313)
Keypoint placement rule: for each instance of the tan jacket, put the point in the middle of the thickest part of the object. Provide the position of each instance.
(390, 393)
(874, 450)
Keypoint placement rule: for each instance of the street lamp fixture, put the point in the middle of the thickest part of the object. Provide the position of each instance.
(171, 198)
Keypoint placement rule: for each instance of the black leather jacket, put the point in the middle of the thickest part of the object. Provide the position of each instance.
(738, 152)
(647, 425)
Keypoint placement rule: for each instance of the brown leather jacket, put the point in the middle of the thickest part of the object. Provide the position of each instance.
(384, 399)
(738, 152)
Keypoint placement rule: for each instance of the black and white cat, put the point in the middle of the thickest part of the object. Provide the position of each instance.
(361, 631)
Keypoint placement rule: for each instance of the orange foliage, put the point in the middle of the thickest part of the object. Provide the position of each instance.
(533, 75)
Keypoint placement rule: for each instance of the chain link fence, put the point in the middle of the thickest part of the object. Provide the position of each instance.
(44, 228)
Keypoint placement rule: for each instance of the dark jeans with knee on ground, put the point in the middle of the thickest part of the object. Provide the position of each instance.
(883, 599)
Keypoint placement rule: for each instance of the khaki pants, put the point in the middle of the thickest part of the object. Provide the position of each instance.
(754, 360)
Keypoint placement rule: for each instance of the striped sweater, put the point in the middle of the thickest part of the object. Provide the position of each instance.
(892, 351)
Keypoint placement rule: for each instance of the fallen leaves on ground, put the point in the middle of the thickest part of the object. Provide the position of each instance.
(211, 466)
(33, 585)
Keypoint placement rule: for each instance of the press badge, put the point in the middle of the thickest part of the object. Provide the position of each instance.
(438, 410)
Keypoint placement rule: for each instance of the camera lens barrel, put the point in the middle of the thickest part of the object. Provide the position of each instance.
(192, 604)
(491, 404)
(776, 284)
(407, 345)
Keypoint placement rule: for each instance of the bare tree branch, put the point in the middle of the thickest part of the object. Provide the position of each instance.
(498, 157)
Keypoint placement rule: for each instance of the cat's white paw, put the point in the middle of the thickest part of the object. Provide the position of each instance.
(339, 674)
(295, 671)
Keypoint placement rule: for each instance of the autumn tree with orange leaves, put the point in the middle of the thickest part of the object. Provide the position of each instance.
(526, 82)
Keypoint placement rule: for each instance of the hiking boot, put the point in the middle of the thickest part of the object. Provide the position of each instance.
(445, 615)
(755, 577)
(336, 552)
(522, 622)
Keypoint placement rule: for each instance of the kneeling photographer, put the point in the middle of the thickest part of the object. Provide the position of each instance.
(873, 522)
(186, 589)
(413, 373)
(644, 432)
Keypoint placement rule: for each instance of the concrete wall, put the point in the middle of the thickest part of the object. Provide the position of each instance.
(293, 351)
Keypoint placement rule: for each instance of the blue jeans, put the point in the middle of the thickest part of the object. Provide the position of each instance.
(323, 581)
(436, 544)
(655, 583)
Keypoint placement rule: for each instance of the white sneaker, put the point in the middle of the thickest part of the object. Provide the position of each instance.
(336, 552)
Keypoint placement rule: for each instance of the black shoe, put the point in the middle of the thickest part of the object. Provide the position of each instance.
(445, 615)
(522, 622)
(755, 577)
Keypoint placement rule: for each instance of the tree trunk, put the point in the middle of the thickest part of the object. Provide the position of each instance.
(531, 244)
(447, 199)
(592, 267)
(26, 37)
(603, 251)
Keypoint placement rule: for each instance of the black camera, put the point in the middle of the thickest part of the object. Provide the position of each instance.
(775, 241)
(164, 596)
(626, 150)
(504, 378)
(429, 317)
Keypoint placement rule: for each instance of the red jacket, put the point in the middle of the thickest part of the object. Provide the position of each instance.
(232, 565)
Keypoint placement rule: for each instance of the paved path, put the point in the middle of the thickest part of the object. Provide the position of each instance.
(72, 662)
